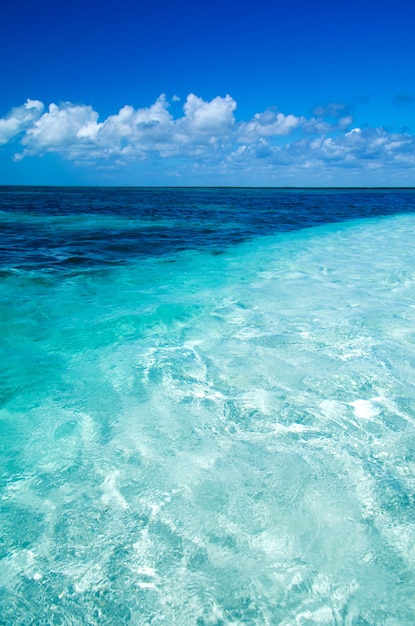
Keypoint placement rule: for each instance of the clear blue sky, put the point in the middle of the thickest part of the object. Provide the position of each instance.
(267, 93)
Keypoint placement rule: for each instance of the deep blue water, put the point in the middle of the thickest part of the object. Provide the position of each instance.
(207, 406)
(58, 228)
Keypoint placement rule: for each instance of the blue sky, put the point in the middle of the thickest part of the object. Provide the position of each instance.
(224, 93)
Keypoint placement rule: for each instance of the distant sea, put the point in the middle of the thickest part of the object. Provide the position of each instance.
(207, 408)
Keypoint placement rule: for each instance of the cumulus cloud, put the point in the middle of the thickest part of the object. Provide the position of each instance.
(359, 151)
(329, 118)
(74, 130)
(18, 119)
(359, 146)
(135, 129)
(209, 117)
(267, 124)
(318, 126)
(207, 136)
(60, 126)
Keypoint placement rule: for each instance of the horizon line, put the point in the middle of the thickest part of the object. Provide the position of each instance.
(334, 187)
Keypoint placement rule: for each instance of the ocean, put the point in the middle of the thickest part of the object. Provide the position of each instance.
(207, 406)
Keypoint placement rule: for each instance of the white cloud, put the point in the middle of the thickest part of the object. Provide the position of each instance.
(319, 126)
(137, 129)
(207, 137)
(74, 131)
(209, 117)
(352, 157)
(353, 132)
(60, 127)
(19, 119)
(267, 124)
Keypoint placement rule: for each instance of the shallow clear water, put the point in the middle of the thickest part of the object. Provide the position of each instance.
(215, 424)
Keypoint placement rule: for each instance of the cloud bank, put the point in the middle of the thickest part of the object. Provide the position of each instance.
(208, 136)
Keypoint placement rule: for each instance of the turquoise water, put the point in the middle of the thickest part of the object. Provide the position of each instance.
(207, 434)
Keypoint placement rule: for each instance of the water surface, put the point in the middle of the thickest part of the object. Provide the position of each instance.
(207, 406)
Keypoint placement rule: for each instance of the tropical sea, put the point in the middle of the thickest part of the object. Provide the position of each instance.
(207, 406)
